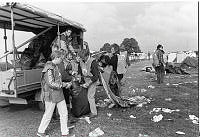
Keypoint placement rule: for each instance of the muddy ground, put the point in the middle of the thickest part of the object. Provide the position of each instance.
(179, 92)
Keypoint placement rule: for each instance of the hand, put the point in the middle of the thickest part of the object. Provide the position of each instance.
(74, 73)
(67, 84)
(85, 85)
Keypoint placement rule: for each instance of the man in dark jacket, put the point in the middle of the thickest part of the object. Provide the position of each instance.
(160, 68)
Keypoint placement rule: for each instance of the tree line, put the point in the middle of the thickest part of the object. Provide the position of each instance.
(129, 44)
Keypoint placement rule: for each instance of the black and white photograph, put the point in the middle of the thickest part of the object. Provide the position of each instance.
(99, 68)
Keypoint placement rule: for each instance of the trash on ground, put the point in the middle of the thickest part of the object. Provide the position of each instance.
(95, 133)
(157, 118)
(194, 119)
(150, 86)
(175, 84)
(133, 90)
(141, 135)
(136, 100)
(155, 110)
(131, 116)
(143, 90)
(111, 105)
(168, 99)
(101, 104)
(167, 84)
(107, 100)
(128, 77)
(109, 114)
(180, 133)
(87, 119)
(166, 110)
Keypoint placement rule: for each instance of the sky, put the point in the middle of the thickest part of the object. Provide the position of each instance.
(172, 24)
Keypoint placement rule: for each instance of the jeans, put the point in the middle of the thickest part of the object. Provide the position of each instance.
(91, 99)
(62, 110)
(160, 70)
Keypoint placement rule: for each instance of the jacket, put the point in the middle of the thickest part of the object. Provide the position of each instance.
(51, 83)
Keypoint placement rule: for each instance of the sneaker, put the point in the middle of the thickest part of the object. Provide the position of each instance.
(42, 134)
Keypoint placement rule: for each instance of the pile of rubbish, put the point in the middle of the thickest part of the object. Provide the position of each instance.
(138, 101)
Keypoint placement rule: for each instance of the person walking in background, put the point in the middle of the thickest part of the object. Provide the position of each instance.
(52, 95)
(159, 64)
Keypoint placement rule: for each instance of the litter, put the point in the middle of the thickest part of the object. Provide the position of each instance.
(140, 135)
(107, 100)
(180, 133)
(150, 86)
(109, 114)
(195, 81)
(128, 77)
(175, 84)
(194, 119)
(168, 99)
(155, 110)
(131, 116)
(157, 118)
(95, 133)
(111, 105)
(87, 119)
(143, 90)
(167, 84)
(167, 110)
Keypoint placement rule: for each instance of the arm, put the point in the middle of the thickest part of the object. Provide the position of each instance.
(94, 71)
(50, 80)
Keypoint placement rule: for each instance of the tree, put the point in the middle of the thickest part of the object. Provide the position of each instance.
(130, 45)
(106, 47)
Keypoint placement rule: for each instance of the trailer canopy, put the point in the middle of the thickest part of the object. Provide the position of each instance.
(32, 19)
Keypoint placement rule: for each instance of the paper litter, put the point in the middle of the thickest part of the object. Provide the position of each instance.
(150, 86)
(95, 133)
(140, 135)
(180, 133)
(168, 99)
(109, 114)
(194, 119)
(157, 118)
(131, 116)
(143, 90)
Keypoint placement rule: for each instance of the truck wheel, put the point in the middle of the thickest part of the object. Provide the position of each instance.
(41, 105)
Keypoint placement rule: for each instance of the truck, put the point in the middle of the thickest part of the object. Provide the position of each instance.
(18, 85)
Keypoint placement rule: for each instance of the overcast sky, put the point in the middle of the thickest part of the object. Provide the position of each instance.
(173, 24)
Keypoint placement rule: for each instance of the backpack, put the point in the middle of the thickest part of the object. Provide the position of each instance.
(155, 59)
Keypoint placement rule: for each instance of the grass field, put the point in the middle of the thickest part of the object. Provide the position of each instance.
(179, 92)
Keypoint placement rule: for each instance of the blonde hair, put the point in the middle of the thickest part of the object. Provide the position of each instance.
(56, 54)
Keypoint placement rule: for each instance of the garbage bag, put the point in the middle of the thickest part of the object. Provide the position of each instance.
(80, 104)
